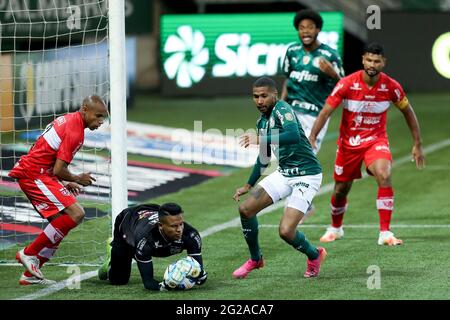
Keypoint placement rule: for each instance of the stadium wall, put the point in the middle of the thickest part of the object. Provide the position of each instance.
(411, 39)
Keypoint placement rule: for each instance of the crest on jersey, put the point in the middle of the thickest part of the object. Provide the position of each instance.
(339, 170)
(383, 87)
(289, 116)
(355, 86)
(306, 59)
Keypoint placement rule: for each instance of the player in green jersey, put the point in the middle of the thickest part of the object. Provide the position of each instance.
(297, 178)
(312, 70)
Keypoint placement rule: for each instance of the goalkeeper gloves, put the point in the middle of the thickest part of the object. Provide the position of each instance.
(164, 287)
(201, 279)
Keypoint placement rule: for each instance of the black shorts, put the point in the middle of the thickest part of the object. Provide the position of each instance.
(122, 255)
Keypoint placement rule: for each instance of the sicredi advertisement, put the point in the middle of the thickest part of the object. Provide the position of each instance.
(206, 54)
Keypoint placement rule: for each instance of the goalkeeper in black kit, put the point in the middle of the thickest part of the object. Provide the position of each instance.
(146, 231)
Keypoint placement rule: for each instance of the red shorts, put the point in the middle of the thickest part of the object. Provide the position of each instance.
(47, 194)
(347, 166)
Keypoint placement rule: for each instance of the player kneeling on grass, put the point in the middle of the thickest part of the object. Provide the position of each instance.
(146, 231)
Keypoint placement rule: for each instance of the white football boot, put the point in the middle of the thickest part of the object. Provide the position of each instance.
(31, 263)
(387, 238)
(332, 234)
(25, 281)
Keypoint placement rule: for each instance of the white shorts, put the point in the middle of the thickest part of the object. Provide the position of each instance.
(307, 122)
(299, 190)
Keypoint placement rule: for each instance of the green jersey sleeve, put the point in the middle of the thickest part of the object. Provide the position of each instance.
(256, 172)
(289, 133)
(336, 61)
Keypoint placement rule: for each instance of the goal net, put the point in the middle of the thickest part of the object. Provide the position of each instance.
(53, 54)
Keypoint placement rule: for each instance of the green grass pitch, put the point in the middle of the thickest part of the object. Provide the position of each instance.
(417, 270)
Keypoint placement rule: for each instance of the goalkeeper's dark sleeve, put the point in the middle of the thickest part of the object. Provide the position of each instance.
(146, 271)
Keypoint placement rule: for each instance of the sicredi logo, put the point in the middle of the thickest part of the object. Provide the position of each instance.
(188, 56)
(234, 54)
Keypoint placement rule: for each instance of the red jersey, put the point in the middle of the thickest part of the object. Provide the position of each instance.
(365, 110)
(61, 139)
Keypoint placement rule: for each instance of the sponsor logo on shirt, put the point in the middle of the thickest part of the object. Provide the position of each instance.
(382, 87)
(304, 75)
(42, 206)
(197, 239)
(64, 192)
(325, 52)
(356, 141)
(370, 97)
(141, 244)
(366, 120)
(301, 184)
(280, 116)
(371, 120)
(272, 122)
(355, 86)
(305, 105)
(175, 250)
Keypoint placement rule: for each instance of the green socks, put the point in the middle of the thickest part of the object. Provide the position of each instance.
(301, 244)
(250, 231)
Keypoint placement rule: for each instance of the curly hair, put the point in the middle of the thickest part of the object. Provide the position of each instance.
(308, 14)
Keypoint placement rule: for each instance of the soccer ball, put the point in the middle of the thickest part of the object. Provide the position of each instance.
(182, 273)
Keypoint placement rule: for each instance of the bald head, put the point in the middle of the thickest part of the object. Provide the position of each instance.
(93, 111)
(91, 100)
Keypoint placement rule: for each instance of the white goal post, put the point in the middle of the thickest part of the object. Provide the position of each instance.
(53, 53)
(117, 58)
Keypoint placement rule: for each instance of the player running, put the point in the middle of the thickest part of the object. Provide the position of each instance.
(297, 178)
(44, 177)
(366, 96)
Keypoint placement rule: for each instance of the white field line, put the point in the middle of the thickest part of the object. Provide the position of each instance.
(369, 226)
(233, 223)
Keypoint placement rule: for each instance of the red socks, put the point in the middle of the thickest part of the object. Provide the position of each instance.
(338, 209)
(385, 205)
(46, 244)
